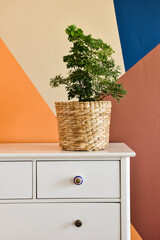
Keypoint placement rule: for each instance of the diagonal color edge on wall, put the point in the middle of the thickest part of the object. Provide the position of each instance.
(134, 234)
(135, 121)
(24, 115)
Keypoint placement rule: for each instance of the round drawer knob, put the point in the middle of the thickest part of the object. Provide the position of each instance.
(78, 180)
(78, 223)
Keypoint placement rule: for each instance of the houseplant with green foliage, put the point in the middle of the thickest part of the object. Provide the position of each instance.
(92, 75)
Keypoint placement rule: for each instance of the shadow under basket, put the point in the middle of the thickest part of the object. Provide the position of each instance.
(83, 126)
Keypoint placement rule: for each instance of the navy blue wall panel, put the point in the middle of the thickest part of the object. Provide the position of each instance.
(139, 28)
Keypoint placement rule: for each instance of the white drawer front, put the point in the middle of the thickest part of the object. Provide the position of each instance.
(57, 221)
(15, 180)
(101, 179)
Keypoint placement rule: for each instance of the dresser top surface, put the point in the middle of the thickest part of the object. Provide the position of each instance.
(38, 150)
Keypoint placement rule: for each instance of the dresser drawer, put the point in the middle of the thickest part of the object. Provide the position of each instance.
(15, 180)
(55, 179)
(57, 221)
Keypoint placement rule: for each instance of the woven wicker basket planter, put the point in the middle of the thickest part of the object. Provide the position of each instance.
(83, 125)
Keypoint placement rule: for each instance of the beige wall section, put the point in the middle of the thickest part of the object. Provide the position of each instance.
(34, 31)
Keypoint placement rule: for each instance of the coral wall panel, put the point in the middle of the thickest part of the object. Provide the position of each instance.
(136, 121)
(24, 115)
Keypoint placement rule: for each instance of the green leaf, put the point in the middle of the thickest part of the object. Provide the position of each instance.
(72, 33)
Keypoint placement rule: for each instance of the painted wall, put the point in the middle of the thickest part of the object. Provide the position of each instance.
(34, 32)
(32, 44)
(136, 121)
(24, 115)
(139, 24)
(138, 115)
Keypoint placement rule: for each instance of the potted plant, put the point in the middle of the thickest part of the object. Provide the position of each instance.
(93, 75)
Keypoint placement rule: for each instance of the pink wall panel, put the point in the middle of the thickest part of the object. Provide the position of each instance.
(136, 121)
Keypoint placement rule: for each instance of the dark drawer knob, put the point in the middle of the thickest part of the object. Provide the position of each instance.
(78, 223)
(78, 180)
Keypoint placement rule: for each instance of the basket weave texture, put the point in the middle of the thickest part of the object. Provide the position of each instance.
(83, 125)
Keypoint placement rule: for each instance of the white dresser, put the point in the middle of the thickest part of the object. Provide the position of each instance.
(50, 194)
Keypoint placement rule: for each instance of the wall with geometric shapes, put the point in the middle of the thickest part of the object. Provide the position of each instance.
(32, 44)
(34, 32)
(136, 121)
(24, 115)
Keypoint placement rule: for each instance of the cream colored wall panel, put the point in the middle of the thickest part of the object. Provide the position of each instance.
(34, 31)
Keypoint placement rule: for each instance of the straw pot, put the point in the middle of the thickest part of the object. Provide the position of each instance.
(83, 125)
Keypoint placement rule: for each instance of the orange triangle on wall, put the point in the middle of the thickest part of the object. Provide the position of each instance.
(24, 115)
(134, 234)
